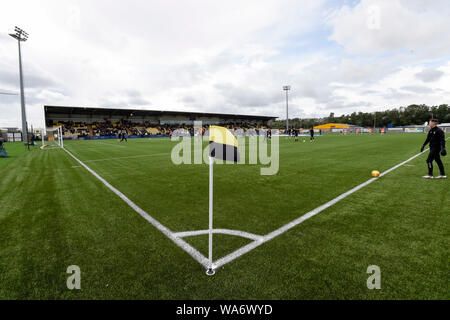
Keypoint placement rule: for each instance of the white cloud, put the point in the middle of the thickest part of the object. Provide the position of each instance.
(229, 56)
(429, 75)
(375, 27)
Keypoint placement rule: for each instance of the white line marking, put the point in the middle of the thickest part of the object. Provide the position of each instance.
(151, 139)
(238, 233)
(176, 237)
(108, 144)
(166, 231)
(243, 250)
(130, 157)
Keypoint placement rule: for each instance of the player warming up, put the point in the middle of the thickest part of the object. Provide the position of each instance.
(123, 136)
(436, 138)
(311, 135)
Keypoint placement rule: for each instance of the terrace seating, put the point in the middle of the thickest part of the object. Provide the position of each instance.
(108, 128)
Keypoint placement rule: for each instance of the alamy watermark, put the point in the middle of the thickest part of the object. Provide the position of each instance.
(74, 280)
(190, 149)
(373, 17)
(374, 281)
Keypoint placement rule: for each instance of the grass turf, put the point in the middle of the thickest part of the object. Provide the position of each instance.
(54, 214)
(14, 150)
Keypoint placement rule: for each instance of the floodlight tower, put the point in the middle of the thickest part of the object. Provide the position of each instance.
(21, 35)
(287, 88)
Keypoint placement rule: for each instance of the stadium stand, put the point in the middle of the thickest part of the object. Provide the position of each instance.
(102, 123)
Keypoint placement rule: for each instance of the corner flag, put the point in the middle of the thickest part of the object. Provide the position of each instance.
(222, 145)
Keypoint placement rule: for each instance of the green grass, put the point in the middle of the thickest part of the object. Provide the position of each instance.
(14, 150)
(54, 213)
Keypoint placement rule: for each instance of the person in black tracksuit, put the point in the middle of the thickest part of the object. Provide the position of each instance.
(122, 136)
(311, 135)
(436, 138)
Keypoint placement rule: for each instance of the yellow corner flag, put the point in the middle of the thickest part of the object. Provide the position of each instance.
(223, 144)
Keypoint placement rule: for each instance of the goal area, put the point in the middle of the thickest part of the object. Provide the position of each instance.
(52, 138)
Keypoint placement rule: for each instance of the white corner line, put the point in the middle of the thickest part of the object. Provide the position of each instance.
(258, 240)
(128, 157)
(243, 250)
(166, 231)
(237, 233)
(106, 143)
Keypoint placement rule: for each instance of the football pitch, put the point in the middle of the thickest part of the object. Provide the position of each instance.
(54, 213)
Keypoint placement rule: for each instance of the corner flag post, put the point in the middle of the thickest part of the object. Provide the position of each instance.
(62, 140)
(210, 271)
(223, 146)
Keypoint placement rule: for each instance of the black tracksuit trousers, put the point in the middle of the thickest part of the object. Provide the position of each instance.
(435, 155)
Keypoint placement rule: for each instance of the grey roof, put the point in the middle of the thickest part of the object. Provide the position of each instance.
(140, 112)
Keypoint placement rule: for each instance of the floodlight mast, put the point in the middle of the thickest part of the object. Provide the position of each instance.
(287, 88)
(21, 35)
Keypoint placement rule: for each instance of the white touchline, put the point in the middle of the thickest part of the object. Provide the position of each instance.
(243, 250)
(129, 157)
(166, 231)
(258, 240)
(108, 144)
(151, 139)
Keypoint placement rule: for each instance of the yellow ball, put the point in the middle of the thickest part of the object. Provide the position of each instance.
(375, 173)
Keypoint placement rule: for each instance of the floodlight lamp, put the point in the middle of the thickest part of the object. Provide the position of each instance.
(19, 34)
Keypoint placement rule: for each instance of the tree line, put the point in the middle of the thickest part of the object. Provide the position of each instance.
(414, 114)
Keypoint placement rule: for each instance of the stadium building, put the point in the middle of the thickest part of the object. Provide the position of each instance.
(97, 123)
(11, 134)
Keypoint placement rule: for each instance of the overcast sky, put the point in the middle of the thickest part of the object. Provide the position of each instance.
(226, 56)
